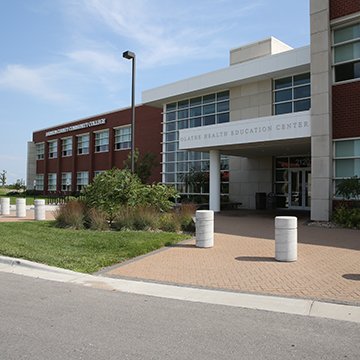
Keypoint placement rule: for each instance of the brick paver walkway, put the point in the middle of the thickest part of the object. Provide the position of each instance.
(29, 216)
(242, 259)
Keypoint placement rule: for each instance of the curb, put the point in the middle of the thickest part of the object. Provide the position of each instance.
(242, 300)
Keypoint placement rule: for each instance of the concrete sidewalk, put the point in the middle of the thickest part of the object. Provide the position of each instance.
(30, 215)
(242, 260)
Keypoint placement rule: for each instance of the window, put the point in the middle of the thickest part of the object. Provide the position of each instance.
(83, 144)
(102, 141)
(39, 184)
(189, 113)
(346, 52)
(66, 181)
(40, 151)
(66, 147)
(98, 172)
(347, 159)
(123, 138)
(291, 94)
(53, 149)
(52, 182)
(82, 179)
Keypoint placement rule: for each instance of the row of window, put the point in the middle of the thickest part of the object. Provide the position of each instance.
(82, 180)
(122, 142)
(346, 52)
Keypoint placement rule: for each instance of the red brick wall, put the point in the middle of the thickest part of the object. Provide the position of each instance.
(339, 8)
(346, 110)
(148, 138)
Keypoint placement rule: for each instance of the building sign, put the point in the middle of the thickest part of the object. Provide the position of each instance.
(76, 127)
(269, 128)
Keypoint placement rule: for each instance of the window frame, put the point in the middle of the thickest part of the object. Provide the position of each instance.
(52, 154)
(40, 155)
(78, 148)
(100, 148)
(65, 152)
(116, 143)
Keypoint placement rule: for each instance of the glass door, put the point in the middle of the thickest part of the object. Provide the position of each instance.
(299, 188)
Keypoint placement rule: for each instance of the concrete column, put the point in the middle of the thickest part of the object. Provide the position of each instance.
(214, 196)
(204, 228)
(5, 206)
(20, 207)
(39, 209)
(286, 238)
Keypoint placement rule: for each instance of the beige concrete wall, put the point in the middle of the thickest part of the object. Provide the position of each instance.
(247, 177)
(31, 165)
(321, 128)
(251, 100)
(250, 175)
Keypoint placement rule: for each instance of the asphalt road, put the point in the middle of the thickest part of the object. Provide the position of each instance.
(47, 320)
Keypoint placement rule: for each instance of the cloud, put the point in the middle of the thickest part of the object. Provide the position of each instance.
(167, 32)
(38, 82)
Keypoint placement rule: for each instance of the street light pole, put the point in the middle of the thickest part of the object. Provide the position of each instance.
(131, 56)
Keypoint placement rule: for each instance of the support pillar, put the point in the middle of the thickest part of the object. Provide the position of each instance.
(214, 196)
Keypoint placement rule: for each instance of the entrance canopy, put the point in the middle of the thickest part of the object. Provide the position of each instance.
(276, 135)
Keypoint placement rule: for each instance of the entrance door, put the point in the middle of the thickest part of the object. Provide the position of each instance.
(300, 188)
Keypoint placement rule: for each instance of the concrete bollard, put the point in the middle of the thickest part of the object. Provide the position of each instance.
(39, 209)
(286, 238)
(20, 207)
(204, 228)
(5, 206)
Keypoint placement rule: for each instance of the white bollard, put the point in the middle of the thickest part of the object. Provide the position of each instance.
(286, 238)
(20, 207)
(204, 228)
(5, 206)
(39, 209)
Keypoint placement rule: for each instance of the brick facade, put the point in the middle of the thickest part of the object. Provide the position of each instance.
(339, 8)
(148, 139)
(346, 110)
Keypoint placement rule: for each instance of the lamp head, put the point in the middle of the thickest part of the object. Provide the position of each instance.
(128, 55)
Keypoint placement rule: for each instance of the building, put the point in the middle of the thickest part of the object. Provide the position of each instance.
(282, 121)
(65, 158)
(277, 121)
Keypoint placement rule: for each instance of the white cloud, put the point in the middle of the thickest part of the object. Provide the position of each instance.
(38, 82)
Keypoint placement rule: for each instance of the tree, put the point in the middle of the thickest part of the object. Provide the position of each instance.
(143, 165)
(3, 178)
(20, 184)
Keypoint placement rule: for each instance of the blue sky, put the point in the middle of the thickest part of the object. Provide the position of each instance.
(61, 60)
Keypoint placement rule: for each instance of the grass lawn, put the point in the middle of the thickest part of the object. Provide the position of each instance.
(79, 250)
(4, 191)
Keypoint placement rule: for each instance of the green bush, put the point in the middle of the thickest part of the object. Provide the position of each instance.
(71, 215)
(96, 220)
(346, 216)
(169, 222)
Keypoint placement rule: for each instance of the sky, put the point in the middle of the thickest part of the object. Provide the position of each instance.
(61, 60)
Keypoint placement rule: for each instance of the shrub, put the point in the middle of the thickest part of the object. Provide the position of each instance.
(169, 222)
(71, 214)
(349, 188)
(186, 214)
(347, 216)
(96, 220)
(136, 218)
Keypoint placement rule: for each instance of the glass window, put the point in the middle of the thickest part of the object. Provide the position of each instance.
(171, 116)
(183, 124)
(209, 120)
(52, 182)
(195, 111)
(123, 138)
(66, 181)
(82, 180)
(182, 156)
(39, 184)
(223, 118)
(171, 136)
(66, 147)
(53, 149)
(182, 114)
(102, 141)
(83, 144)
(222, 106)
(170, 167)
(224, 95)
(283, 83)
(208, 98)
(169, 157)
(283, 108)
(183, 104)
(288, 90)
(170, 126)
(346, 53)
(40, 151)
(347, 148)
(195, 122)
(170, 107)
(195, 101)
(209, 109)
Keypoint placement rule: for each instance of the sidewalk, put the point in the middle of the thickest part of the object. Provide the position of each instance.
(242, 260)
(29, 214)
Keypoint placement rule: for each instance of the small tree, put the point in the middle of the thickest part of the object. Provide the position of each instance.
(3, 178)
(142, 165)
(19, 185)
(349, 188)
